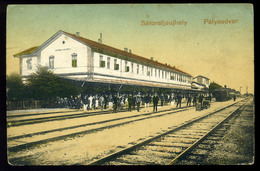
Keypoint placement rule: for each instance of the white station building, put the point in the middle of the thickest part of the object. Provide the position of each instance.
(200, 82)
(74, 57)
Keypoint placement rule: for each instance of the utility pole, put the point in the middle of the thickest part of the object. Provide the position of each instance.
(240, 89)
(246, 89)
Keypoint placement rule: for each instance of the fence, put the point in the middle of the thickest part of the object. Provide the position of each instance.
(29, 104)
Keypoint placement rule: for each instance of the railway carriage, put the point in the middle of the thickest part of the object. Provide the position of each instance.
(222, 94)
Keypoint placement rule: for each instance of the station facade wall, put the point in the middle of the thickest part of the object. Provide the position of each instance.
(67, 56)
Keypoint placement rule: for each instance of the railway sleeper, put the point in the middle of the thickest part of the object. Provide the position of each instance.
(190, 133)
(165, 148)
(186, 140)
(184, 136)
(136, 159)
(173, 144)
(201, 127)
(152, 153)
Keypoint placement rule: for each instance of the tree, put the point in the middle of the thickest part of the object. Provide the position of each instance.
(44, 84)
(15, 87)
(214, 86)
(67, 88)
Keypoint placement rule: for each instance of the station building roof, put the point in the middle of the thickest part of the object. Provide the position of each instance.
(103, 47)
(201, 76)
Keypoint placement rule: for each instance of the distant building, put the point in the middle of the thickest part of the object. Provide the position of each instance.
(200, 82)
(74, 57)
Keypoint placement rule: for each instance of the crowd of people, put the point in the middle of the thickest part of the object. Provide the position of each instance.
(130, 101)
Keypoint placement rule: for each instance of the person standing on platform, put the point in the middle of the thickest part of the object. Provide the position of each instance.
(133, 100)
(105, 101)
(146, 102)
(90, 101)
(85, 103)
(162, 99)
(155, 102)
(201, 99)
(101, 100)
(115, 101)
(194, 100)
(94, 102)
(179, 98)
(189, 100)
(138, 101)
(130, 102)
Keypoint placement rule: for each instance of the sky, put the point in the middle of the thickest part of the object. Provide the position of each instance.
(222, 52)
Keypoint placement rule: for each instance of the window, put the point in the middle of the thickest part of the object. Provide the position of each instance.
(51, 62)
(162, 74)
(155, 72)
(151, 71)
(29, 64)
(108, 62)
(116, 66)
(132, 67)
(148, 71)
(172, 76)
(102, 63)
(137, 69)
(142, 69)
(126, 67)
(74, 60)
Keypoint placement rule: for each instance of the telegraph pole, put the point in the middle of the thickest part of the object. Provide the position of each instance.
(240, 89)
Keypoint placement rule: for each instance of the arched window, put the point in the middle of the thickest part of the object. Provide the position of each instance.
(74, 60)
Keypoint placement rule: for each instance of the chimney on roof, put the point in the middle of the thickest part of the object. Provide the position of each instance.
(100, 39)
(126, 49)
(77, 34)
(151, 58)
(130, 51)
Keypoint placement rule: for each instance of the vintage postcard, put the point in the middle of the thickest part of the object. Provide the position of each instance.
(130, 84)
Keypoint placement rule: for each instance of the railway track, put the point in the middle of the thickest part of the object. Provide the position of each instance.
(212, 145)
(33, 118)
(172, 145)
(16, 121)
(25, 141)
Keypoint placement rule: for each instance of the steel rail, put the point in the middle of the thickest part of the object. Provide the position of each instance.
(83, 125)
(131, 148)
(64, 117)
(196, 143)
(31, 144)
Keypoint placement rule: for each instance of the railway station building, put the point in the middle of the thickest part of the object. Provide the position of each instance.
(74, 57)
(200, 82)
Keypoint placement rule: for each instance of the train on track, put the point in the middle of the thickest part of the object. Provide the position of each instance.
(224, 94)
